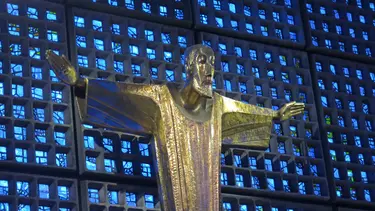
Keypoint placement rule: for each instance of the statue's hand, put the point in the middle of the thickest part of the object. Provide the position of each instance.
(62, 68)
(290, 109)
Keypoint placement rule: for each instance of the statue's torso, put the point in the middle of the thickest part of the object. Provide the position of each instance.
(188, 155)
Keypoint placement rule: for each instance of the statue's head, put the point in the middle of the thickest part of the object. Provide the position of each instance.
(199, 67)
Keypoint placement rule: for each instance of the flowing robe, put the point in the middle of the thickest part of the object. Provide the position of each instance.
(187, 151)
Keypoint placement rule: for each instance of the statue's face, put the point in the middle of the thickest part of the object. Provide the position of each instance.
(201, 71)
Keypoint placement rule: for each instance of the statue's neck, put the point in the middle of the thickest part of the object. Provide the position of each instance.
(191, 99)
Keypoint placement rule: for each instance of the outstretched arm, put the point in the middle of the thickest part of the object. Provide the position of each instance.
(250, 125)
(109, 104)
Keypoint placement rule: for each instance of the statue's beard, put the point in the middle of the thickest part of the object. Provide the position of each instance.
(204, 89)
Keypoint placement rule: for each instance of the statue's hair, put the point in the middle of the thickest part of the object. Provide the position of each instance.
(190, 53)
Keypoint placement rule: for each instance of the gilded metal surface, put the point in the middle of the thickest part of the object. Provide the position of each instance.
(189, 126)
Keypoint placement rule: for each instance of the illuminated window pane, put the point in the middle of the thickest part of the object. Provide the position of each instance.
(39, 114)
(91, 163)
(109, 165)
(169, 75)
(52, 36)
(19, 111)
(23, 188)
(51, 15)
(145, 169)
(13, 9)
(128, 167)
(163, 11)
(97, 25)
(93, 195)
(79, 22)
(61, 160)
(131, 199)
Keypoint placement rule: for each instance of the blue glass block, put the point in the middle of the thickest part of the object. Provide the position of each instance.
(32, 13)
(4, 187)
(36, 72)
(151, 53)
(91, 163)
(109, 165)
(39, 114)
(51, 15)
(79, 22)
(14, 29)
(87, 126)
(63, 193)
(61, 160)
(34, 52)
(3, 153)
(83, 61)
(116, 47)
(23, 188)
(203, 18)
(64, 209)
(37, 93)
(41, 157)
(167, 56)
(40, 135)
(23, 207)
(19, 111)
(101, 64)
(99, 44)
(17, 90)
(58, 117)
(43, 190)
(239, 180)
(129, 4)
(93, 195)
(13, 9)
(2, 109)
(113, 197)
(126, 147)
(146, 169)
(97, 25)
(243, 88)
(108, 144)
(52, 36)
(144, 149)
(146, 7)
(89, 142)
(163, 11)
(224, 178)
(149, 35)
(57, 96)
(2, 131)
(44, 208)
(115, 29)
(133, 49)
(154, 72)
(16, 69)
(132, 32)
(166, 38)
(113, 3)
(1, 63)
(33, 32)
(169, 74)
(131, 199)
(149, 201)
(118, 66)
(60, 138)
(179, 14)
(202, 3)
(136, 70)
(15, 49)
(128, 167)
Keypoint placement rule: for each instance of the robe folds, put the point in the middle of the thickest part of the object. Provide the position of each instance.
(187, 151)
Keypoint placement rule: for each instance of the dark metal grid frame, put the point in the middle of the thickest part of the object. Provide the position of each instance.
(353, 154)
(34, 197)
(45, 81)
(275, 18)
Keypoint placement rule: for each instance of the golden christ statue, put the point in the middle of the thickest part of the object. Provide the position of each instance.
(189, 125)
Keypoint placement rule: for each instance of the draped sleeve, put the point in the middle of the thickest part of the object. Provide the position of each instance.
(245, 124)
(120, 106)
